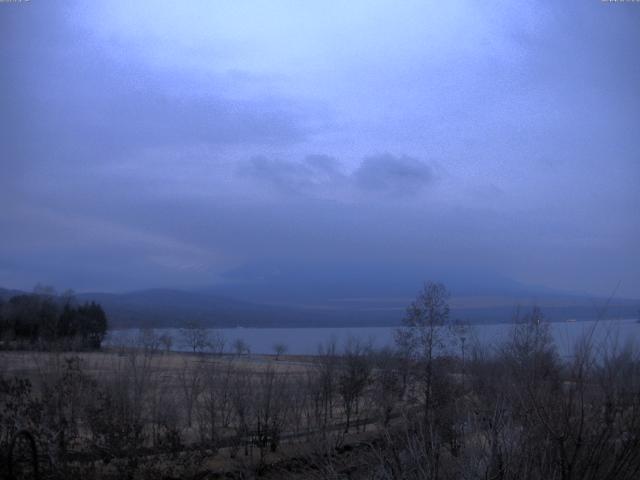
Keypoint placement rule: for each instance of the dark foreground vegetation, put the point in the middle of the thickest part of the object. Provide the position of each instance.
(43, 320)
(437, 406)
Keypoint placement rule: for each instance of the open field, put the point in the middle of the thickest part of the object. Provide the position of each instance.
(224, 413)
(34, 363)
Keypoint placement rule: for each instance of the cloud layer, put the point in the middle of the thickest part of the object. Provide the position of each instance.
(166, 144)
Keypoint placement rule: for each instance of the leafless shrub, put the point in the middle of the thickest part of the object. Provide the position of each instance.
(195, 337)
(353, 377)
(280, 349)
(388, 385)
(240, 347)
(214, 405)
(190, 378)
(166, 341)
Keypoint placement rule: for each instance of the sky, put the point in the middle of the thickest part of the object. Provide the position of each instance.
(156, 144)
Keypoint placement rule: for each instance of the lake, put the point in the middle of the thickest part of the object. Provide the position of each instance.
(305, 341)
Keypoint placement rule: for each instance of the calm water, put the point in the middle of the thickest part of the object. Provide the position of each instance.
(307, 340)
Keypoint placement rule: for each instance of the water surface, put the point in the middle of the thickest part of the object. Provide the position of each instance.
(306, 341)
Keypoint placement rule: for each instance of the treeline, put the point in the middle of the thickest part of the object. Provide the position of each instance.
(43, 318)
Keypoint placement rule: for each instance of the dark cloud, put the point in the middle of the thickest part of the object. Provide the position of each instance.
(392, 175)
(314, 171)
(386, 175)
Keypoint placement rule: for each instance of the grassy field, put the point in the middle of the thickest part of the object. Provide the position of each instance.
(225, 414)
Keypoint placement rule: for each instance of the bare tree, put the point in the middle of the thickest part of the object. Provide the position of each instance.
(240, 347)
(423, 334)
(215, 402)
(243, 405)
(353, 377)
(270, 411)
(166, 341)
(326, 378)
(280, 349)
(190, 379)
(195, 337)
(149, 340)
(387, 383)
(217, 342)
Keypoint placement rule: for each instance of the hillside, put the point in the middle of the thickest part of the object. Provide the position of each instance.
(172, 308)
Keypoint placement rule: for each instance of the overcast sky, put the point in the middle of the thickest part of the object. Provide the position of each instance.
(149, 144)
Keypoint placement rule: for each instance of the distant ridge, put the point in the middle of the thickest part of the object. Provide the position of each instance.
(173, 308)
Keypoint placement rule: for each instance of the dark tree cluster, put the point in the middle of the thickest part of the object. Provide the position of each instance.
(29, 319)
